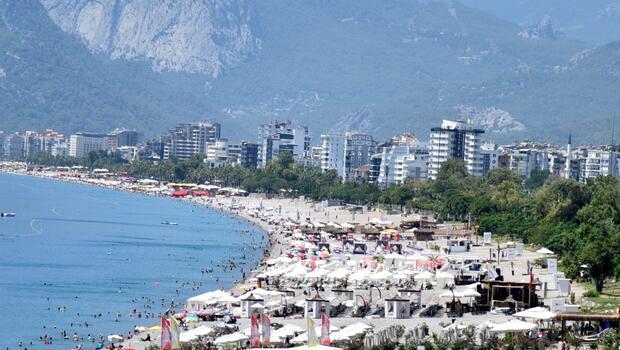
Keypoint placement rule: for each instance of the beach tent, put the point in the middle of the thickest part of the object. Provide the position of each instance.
(190, 335)
(350, 331)
(231, 338)
(423, 276)
(513, 326)
(444, 278)
(536, 313)
(200, 302)
(544, 251)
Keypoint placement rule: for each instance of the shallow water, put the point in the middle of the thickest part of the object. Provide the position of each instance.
(98, 251)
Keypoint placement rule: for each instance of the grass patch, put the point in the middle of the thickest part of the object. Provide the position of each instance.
(607, 301)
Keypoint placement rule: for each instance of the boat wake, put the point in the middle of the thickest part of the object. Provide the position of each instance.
(55, 212)
(36, 230)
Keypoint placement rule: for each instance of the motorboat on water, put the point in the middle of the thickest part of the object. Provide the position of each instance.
(7, 215)
(169, 223)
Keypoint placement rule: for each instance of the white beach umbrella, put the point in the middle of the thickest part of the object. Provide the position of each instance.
(536, 313)
(544, 251)
(423, 276)
(231, 338)
(195, 333)
(513, 326)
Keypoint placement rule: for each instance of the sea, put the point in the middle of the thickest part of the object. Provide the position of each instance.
(76, 257)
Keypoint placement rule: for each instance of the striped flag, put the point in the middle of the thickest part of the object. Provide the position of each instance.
(254, 332)
(166, 337)
(266, 330)
(325, 324)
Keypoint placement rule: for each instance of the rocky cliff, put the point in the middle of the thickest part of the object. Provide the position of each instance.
(196, 36)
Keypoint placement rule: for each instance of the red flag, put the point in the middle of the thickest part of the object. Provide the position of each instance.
(166, 336)
(325, 323)
(254, 332)
(266, 330)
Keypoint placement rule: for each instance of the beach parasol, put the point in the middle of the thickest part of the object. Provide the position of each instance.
(513, 326)
(545, 251)
(536, 313)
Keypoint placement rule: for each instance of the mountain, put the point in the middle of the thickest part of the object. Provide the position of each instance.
(48, 78)
(594, 21)
(378, 66)
(190, 36)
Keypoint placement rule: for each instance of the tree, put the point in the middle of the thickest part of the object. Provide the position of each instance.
(537, 179)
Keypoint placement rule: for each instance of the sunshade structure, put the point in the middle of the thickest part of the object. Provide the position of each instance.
(451, 332)
(231, 338)
(536, 313)
(303, 337)
(513, 326)
(350, 331)
(201, 301)
(545, 251)
(190, 335)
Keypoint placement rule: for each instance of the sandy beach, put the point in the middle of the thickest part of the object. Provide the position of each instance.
(302, 210)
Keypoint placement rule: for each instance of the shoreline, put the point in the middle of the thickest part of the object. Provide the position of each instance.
(271, 237)
(268, 214)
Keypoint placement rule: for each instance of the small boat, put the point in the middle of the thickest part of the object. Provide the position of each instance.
(169, 223)
(7, 215)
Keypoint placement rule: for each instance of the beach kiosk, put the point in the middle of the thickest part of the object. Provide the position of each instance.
(251, 304)
(315, 306)
(397, 307)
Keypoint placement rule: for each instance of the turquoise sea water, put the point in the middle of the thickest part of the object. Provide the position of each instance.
(96, 251)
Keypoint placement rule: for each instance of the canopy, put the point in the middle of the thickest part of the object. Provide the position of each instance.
(188, 336)
(231, 338)
(536, 313)
(513, 326)
(424, 275)
(350, 331)
(545, 251)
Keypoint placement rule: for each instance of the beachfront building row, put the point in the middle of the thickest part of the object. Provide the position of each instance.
(456, 139)
(403, 157)
(189, 139)
(345, 153)
(282, 136)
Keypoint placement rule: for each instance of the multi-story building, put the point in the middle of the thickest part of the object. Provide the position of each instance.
(490, 157)
(524, 160)
(278, 137)
(249, 154)
(346, 153)
(121, 137)
(189, 139)
(82, 143)
(217, 154)
(332, 153)
(456, 139)
(406, 157)
(14, 146)
(154, 147)
(599, 162)
(358, 148)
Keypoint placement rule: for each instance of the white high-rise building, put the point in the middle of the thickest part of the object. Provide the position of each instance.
(82, 143)
(332, 153)
(599, 162)
(406, 157)
(189, 139)
(456, 139)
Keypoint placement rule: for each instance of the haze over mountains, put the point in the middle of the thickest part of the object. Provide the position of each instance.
(379, 66)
